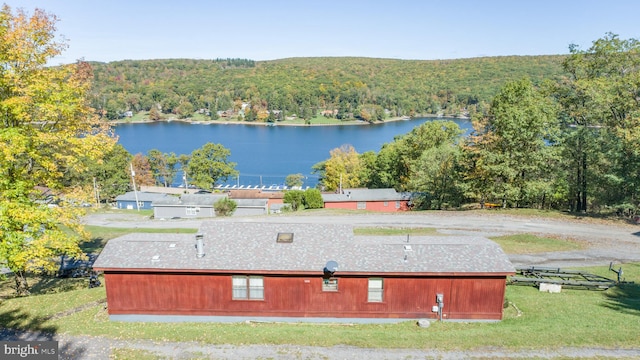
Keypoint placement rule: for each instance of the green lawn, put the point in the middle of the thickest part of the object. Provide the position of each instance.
(530, 244)
(387, 231)
(571, 318)
(579, 318)
(511, 244)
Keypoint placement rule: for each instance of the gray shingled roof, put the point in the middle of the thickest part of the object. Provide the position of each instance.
(250, 247)
(190, 200)
(142, 196)
(365, 195)
(251, 202)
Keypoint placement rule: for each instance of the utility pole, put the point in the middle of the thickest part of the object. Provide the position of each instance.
(96, 192)
(186, 181)
(133, 180)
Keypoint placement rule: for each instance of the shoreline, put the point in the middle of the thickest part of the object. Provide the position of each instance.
(284, 123)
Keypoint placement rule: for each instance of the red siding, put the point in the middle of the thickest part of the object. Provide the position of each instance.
(386, 206)
(291, 296)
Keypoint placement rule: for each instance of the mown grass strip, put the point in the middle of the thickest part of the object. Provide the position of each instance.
(389, 231)
(531, 244)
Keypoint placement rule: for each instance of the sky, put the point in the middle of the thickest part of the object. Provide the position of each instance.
(114, 30)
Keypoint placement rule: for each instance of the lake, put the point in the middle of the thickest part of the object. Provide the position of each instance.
(265, 155)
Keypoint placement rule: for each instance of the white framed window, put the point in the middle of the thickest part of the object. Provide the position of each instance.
(386, 203)
(330, 284)
(361, 205)
(141, 204)
(375, 290)
(192, 210)
(247, 288)
(397, 204)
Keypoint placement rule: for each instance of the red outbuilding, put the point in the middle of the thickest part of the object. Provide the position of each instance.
(236, 271)
(387, 200)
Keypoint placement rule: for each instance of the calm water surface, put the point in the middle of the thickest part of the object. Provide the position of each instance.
(265, 155)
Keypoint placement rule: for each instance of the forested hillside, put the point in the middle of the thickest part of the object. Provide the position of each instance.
(348, 87)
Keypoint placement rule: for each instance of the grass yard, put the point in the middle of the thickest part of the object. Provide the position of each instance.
(530, 244)
(388, 231)
(511, 244)
(533, 320)
(571, 318)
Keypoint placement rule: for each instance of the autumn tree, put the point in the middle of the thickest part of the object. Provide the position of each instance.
(154, 113)
(163, 166)
(342, 169)
(46, 131)
(209, 165)
(142, 170)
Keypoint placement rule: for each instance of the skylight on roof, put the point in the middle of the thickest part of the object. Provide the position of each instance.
(284, 237)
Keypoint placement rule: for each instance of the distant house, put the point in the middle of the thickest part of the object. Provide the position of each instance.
(248, 207)
(144, 199)
(186, 206)
(388, 200)
(244, 198)
(226, 113)
(236, 271)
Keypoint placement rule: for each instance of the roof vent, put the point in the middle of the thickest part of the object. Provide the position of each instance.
(200, 245)
(407, 248)
(155, 258)
(172, 246)
(284, 237)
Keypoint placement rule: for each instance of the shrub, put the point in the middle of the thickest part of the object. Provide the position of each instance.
(225, 207)
(295, 199)
(313, 199)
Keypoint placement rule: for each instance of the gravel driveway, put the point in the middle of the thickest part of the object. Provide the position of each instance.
(607, 243)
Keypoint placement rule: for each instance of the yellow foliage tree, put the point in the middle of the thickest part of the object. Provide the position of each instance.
(46, 131)
(342, 169)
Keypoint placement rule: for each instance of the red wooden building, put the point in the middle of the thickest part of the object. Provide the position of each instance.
(235, 271)
(387, 200)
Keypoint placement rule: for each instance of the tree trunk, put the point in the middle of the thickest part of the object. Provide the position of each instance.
(22, 287)
(584, 182)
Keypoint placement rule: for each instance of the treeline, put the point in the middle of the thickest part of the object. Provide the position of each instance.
(364, 88)
(572, 144)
